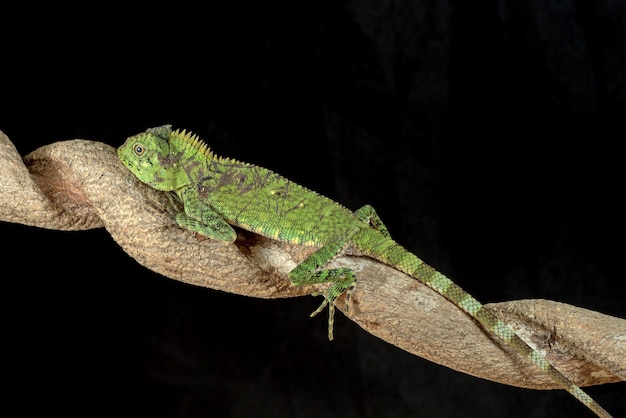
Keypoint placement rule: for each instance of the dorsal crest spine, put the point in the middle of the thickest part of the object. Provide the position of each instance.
(192, 141)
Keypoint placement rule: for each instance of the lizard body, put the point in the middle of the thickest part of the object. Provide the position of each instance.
(219, 192)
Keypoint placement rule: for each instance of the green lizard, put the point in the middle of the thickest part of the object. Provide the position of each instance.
(219, 192)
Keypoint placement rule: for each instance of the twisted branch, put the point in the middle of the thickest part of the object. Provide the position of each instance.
(77, 185)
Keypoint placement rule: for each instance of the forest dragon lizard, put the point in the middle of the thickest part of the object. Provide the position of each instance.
(218, 192)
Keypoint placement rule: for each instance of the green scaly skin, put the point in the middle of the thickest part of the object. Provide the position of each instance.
(219, 192)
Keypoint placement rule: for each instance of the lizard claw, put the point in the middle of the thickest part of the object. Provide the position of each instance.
(320, 308)
(331, 316)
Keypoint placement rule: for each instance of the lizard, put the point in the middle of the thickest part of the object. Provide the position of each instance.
(218, 193)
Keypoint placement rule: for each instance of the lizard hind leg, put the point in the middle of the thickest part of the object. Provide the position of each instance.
(341, 279)
(368, 215)
(346, 281)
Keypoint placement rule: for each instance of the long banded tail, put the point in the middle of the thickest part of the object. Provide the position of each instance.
(395, 255)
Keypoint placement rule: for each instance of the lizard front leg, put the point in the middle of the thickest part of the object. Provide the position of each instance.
(201, 218)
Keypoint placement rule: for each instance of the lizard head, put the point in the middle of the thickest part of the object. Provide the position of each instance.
(151, 157)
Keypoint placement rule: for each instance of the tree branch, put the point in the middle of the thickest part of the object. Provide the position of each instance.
(76, 185)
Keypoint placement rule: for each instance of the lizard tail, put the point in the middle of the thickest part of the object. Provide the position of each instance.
(393, 254)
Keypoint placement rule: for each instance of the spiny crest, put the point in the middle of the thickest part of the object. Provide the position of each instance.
(193, 142)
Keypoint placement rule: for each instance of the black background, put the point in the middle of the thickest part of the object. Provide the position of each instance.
(486, 134)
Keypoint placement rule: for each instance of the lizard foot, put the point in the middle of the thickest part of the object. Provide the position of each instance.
(330, 295)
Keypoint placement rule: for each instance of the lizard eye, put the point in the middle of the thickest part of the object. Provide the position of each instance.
(139, 150)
